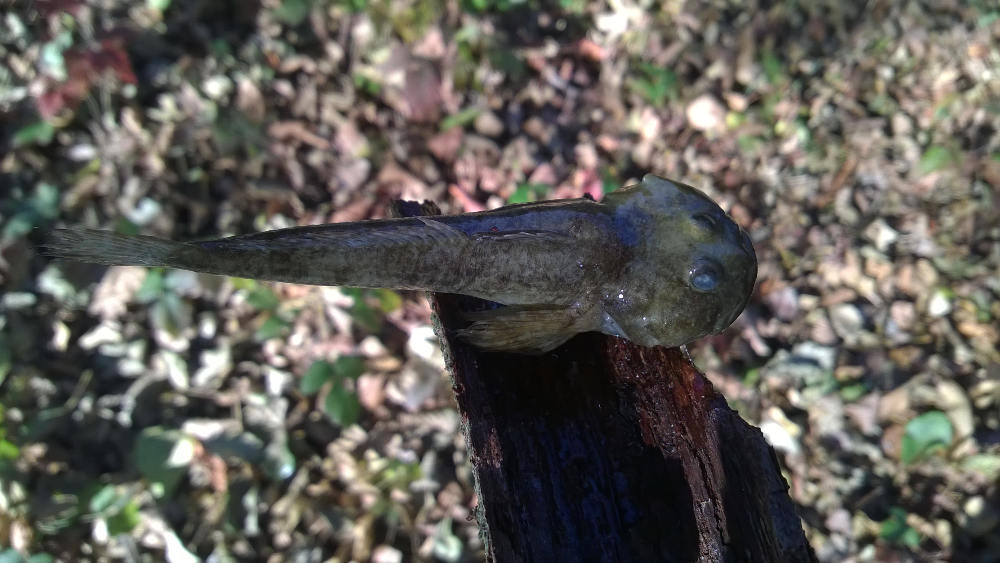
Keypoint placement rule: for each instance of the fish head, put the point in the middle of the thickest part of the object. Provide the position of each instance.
(690, 268)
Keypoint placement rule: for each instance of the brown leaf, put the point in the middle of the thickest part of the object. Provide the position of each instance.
(445, 145)
(298, 131)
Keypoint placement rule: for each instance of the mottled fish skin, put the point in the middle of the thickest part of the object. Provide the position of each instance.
(658, 262)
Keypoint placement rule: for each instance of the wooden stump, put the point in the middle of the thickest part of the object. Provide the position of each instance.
(602, 450)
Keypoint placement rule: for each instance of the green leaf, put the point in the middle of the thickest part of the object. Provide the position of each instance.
(162, 456)
(10, 555)
(462, 118)
(8, 450)
(897, 531)
(32, 211)
(527, 191)
(655, 84)
(272, 327)
(388, 300)
(4, 359)
(263, 298)
(158, 5)
(125, 520)
(773, 68)
(853, 392)
(365, 316)
(103, 499)
(924, 435)
(292, 12)
(38, 133)
(349, 367)
(935, 158)
(986, 465)
(342, 405)
(447, 546)
(318, 373)
(151, 288)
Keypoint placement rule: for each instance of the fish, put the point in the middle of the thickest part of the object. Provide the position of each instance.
(658, 263)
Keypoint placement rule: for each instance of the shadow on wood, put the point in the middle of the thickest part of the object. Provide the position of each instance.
(602, 450)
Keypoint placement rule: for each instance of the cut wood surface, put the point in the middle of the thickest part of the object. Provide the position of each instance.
(603, 450)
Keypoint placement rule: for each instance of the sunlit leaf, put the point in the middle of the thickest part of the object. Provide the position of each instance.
(8, 450)
(125, 520)
(935, 158)
(163, 455)
(103, 499)
(924, 435)
(447, 546)
(527, 191)
(388, 300)
(38, 133)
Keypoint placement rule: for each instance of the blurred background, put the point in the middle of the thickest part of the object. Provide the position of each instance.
(164, 415)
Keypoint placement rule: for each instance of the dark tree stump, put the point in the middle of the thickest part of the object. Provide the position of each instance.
(602, 450)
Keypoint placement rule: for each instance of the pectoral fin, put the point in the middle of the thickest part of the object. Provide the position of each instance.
(526, 329)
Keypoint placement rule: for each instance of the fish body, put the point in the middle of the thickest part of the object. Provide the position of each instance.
(658, 262)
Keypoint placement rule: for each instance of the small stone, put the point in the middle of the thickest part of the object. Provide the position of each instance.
(784, 302)
(19, 300)
(902, 125)
(386, 554)
(537, 129)
(902, 317)
(839, 521)
(488, 124)
(847, 320)
(82, 152)
(737, 102)
(881, 235)
(823, 356)
(586, 156)
(779, 438)
(705, 113)
(951, 398)
(217, 87)
(978, 518)
(903, 313)
(939, 304)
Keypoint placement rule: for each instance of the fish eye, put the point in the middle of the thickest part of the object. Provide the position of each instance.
(705, 275)
(705, 220)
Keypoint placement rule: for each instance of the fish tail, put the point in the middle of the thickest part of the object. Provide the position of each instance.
(110, 248)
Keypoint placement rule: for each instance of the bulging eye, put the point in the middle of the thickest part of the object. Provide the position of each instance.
(705, 275)
(705, 220)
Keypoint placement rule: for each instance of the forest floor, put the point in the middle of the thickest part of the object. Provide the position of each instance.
(155, 414)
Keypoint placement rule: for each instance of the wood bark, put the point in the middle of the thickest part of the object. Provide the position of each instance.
(602, 450)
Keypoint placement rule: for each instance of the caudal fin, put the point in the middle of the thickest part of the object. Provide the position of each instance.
(106, 247)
